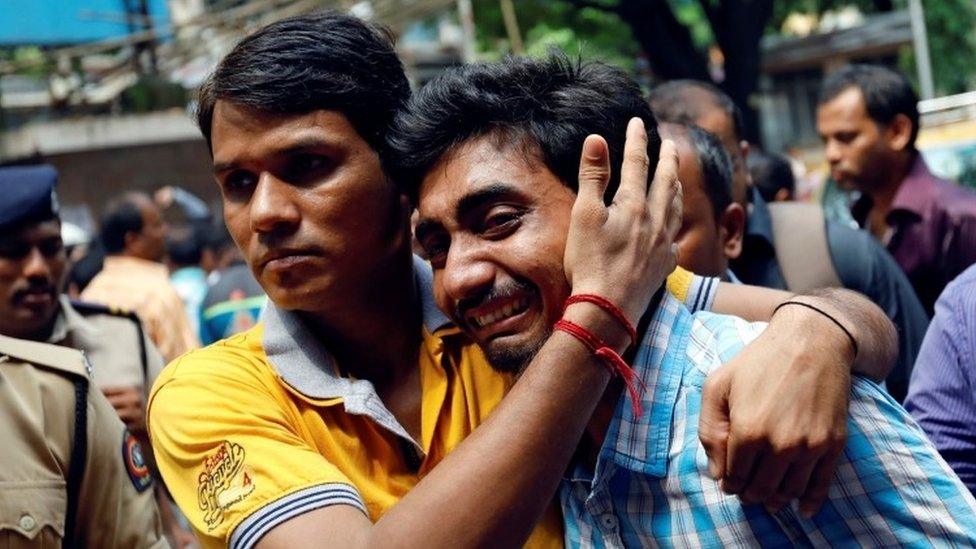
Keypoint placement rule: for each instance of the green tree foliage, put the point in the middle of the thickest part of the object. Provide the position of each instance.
(590, 32)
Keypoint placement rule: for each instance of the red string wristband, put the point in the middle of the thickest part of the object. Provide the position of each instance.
(607, 306)
(610, 358)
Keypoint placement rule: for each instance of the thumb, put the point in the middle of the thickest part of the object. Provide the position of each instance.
(713, 425)
(594, 169)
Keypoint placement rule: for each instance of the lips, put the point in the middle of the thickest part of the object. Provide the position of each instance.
(285, 258)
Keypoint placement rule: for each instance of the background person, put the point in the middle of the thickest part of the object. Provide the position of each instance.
(942, 395)
(772, 175)
(712, 224)
(62, 439)
(867, 117)
(134, 277)
(791, 245)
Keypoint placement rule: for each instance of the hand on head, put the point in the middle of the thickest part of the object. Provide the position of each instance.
(624, 251)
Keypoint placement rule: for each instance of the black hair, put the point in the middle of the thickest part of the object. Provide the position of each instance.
(886, 93)
(185, 244)
(318, 61)
(716, 168)
(675, 101)
(547, 106)
(770, 173)
(122, 215)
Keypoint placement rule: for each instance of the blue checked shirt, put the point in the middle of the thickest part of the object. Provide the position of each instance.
(650, 486)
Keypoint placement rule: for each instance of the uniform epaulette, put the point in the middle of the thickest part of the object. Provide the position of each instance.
(55, 357)
(87, 309)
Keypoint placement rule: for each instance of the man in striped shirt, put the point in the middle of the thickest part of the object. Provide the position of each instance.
(491, 205)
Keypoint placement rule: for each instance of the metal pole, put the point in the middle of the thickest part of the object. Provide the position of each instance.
(511, 27)
(921, 44)
(466, 15)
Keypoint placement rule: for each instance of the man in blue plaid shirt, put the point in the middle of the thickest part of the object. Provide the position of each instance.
(493, 205)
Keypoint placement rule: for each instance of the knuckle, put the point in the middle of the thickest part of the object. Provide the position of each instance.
(638, 157)
(593, 173)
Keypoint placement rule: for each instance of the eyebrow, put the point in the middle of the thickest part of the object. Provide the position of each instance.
(301, 145)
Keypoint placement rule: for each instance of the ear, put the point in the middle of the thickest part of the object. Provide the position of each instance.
(131, 240)
(744, 148)
(899, 132)
(783, 195)
(731, 229)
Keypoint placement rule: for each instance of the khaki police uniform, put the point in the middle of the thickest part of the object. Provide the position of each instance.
(67, 470)
(120, 352)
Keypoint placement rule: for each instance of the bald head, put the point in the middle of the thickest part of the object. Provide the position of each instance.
(704, 105)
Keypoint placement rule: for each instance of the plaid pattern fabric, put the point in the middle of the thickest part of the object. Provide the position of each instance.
(650, 486)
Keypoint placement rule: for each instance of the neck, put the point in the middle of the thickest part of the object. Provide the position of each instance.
(883, 194)
(375, 335)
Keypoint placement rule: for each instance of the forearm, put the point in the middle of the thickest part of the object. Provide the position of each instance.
(494, 487)
(875, 334)
(876, 337)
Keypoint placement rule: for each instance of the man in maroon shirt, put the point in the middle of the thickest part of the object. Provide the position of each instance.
(868, 119)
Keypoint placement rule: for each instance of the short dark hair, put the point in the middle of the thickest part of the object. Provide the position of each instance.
(715, 166)
(549, 106)
(887, 93)
(184, 245)
(318, 61)
(675, 101)
(770, 173)
(122, 215)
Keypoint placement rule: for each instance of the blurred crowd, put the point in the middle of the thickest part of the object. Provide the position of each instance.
(295, 409)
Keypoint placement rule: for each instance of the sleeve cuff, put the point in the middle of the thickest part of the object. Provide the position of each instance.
(701, 293)
(250, 530)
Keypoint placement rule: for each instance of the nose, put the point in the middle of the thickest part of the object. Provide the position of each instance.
(467, 273)
(273, 209)
(832, 151)
(36, 265)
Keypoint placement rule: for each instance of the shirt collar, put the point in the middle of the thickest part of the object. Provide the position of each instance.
(68, 322)
(304, 363)
(641, 444)
(914, 197)
(917, 190)
(760, 221)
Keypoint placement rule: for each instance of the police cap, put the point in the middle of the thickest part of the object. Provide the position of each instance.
(28, 195)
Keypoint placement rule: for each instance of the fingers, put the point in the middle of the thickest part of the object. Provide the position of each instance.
(741, 462)
(713, 425)
(769, 474)
(636, 164)
(594, 171)
(819, 484)
(793, 486)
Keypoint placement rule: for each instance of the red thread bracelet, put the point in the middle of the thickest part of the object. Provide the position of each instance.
(607, 306)
(610, 358)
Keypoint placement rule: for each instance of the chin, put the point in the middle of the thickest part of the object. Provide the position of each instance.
(514, 357)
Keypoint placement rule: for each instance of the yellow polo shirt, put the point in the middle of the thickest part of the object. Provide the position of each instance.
(259, 428)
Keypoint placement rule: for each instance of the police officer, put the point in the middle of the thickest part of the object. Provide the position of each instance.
(124, 359)
(71, 471)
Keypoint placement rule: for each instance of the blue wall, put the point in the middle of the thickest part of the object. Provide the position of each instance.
(61, 22)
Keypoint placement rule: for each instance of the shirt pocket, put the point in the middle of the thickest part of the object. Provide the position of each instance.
(32, 514)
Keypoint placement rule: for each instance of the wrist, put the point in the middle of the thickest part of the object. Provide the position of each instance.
(814, 326)
(600, 323)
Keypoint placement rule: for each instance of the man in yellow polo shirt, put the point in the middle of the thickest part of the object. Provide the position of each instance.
(354, 415)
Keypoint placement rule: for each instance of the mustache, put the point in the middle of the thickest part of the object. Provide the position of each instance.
(508, 289)
(36, 286)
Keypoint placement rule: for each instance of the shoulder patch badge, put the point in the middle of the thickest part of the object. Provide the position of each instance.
(223, 482)
(135, 463)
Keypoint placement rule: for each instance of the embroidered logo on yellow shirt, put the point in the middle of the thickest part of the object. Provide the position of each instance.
(223, 482)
